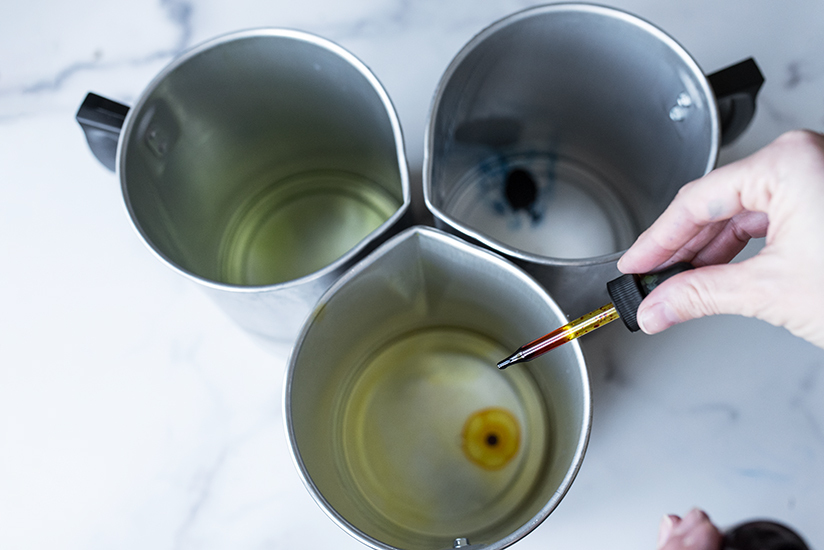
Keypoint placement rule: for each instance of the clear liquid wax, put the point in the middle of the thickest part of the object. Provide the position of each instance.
(408, 435)
(300, 225)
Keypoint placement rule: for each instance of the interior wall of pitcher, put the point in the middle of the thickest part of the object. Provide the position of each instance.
(230, 122)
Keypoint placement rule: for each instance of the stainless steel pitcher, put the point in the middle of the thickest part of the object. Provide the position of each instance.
(262, 165)
(559, 133)
(400, 424)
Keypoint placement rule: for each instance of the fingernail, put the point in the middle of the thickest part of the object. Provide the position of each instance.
(657, 317)
(665, 529)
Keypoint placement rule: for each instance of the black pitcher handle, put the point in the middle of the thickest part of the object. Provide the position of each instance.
(102, 120)
(735, 89)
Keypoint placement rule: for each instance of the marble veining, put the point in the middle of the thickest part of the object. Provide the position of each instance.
(725, 411)
(200, 490)
(134, 414)
(804, 401)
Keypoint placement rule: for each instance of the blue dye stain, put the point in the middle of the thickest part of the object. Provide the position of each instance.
(759, 473)
(534, 175)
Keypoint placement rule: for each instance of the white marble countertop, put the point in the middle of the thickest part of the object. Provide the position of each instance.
(134, 414)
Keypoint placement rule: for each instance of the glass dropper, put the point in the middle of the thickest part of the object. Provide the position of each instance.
(626, 292)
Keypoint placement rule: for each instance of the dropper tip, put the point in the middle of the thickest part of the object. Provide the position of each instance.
(514, 358)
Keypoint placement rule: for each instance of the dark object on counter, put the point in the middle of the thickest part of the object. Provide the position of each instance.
(763, 535)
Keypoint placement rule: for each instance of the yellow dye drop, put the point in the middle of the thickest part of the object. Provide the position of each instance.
(491, 438)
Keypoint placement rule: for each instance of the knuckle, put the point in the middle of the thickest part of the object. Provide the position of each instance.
(803, 145)
(697, 299)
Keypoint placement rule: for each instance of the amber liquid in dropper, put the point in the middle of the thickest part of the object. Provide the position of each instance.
(570, 331)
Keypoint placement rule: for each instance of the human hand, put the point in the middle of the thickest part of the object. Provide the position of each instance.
(778, 192)
(694, 532)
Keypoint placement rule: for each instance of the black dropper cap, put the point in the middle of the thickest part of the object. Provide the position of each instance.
(627, 291)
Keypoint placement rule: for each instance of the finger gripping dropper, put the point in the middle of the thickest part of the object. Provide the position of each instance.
(626, 292)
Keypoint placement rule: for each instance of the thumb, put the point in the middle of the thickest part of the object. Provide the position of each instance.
(708, 290)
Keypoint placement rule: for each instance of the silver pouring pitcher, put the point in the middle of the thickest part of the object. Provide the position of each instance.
(559, 133)
(261, 165)
(402, 427)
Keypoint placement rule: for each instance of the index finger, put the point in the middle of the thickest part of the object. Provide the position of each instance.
(720, 195)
